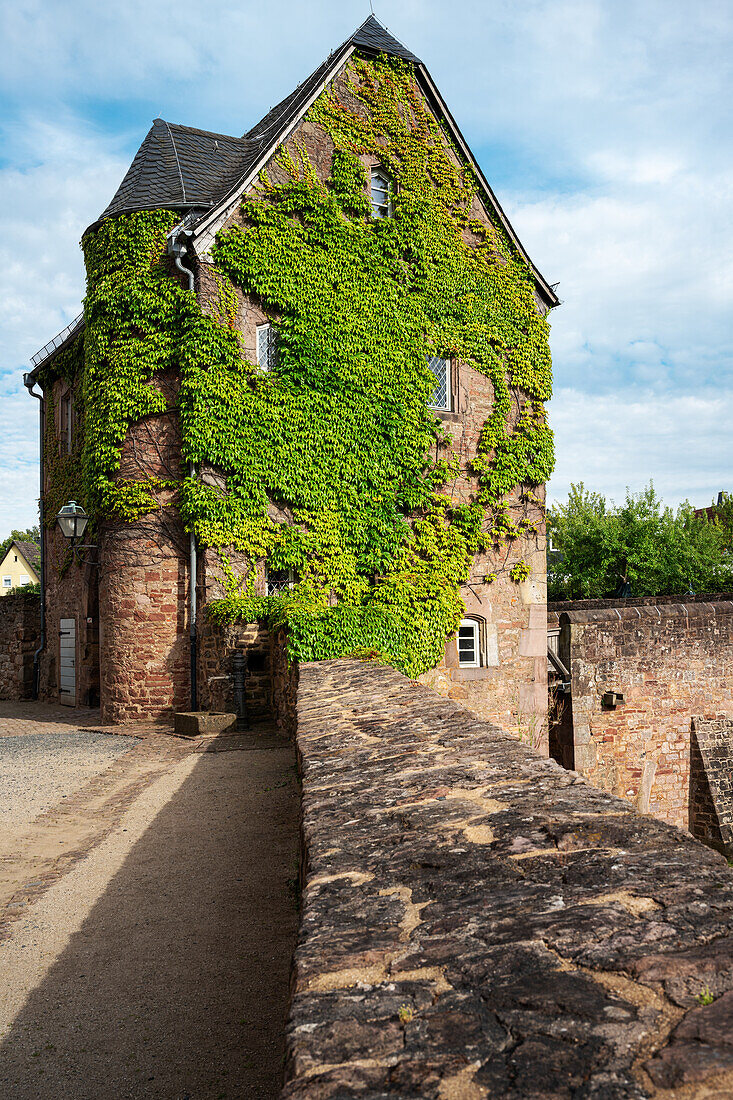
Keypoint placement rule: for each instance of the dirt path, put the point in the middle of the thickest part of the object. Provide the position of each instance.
(151, 957)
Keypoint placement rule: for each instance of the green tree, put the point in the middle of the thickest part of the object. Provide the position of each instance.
(31, 535)
(641, 548)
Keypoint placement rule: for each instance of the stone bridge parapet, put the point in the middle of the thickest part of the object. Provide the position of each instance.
(478, 922)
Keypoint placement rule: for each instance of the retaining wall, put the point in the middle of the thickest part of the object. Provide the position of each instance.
(478, 922)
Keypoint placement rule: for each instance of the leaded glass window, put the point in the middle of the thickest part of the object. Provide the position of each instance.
(469, 644)
(441, 371)
(267, 347)
(279, 581)
(381, 193)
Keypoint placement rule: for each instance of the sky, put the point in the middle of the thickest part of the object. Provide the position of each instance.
(604, 127)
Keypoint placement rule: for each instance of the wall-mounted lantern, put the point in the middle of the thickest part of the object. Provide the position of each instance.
(72, 519)
(612, 699)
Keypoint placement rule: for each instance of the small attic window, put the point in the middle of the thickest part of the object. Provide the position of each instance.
(381, 193)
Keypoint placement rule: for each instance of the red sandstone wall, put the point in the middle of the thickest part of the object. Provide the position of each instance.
(143, 598)
(671, 661)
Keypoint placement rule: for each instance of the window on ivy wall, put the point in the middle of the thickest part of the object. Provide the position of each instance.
(381, 193)
(440, 369)
(267, 347)
(469, 643)
(279, 581)
(66, 424)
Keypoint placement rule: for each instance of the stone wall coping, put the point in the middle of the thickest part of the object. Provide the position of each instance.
(623, 612)
(477, 922)
(639, 601)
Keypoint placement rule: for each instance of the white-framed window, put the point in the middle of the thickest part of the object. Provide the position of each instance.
(7, 582)
(440, 369)
(381, 191)
(266, 347)
(469, 643)
(279, 581)
(24, 579)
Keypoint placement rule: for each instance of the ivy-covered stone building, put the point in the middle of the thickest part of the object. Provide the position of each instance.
(304, 401)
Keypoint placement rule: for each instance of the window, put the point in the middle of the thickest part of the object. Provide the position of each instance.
(440, 369)
(7, 582)
(279, 581)
(24, 579)
(469, 643)
(65, 426)
(381, 193)
(267, 347)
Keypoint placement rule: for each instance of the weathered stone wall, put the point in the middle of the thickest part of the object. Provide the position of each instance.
(711, 782)
(271, 683)
(479, 923)
(217, 646)
(71, 593)
(20, 632)
(672, 661)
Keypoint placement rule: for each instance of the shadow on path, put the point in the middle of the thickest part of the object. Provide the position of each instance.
(176, 983)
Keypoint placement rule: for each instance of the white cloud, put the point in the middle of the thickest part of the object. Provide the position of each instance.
(610, 441)
(605, 123)
(62, 176)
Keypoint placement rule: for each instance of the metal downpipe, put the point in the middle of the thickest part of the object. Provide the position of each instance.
(29, 383)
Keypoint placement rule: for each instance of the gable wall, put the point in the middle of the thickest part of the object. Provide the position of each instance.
(511, 689)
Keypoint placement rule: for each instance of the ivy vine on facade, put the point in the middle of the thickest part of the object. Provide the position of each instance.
(312, 367)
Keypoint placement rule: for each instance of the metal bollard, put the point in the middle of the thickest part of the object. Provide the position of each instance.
(239, 675)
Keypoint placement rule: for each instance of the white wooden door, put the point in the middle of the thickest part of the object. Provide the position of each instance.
(67, 670)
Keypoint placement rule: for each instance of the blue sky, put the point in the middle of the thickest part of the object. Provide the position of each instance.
(603, 125)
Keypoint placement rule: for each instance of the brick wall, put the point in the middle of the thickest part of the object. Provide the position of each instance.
(20, 632)
(671, 661)
(477, 922)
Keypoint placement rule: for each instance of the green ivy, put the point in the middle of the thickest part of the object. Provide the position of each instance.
(340, 436)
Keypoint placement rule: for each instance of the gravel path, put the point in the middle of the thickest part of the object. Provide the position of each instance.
(38, 770)
(157, 965)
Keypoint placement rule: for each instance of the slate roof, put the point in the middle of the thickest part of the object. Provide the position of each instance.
(31, 551)
(179, 167)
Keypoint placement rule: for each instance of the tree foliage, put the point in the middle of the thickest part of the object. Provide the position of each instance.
(598, 547)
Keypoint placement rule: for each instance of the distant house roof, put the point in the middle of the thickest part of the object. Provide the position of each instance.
(31, 551)
(204, 173)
